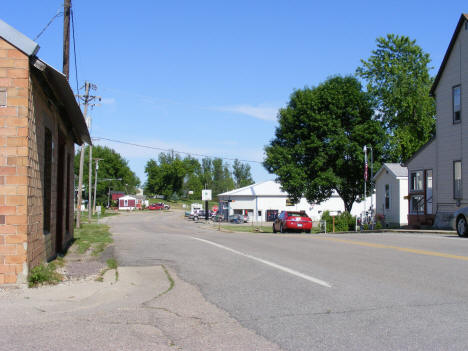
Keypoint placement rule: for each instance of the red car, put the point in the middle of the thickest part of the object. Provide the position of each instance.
(156, 207)
(292, 221)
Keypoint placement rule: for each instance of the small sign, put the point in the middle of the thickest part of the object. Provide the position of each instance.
(98, 209)
(206, 195)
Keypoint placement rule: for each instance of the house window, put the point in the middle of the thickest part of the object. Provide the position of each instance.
(417, 204)
(47, 189)
(456, 99)
(259, 213)
(289, 202)
(387, 196)
(3, 97)
(417, 180)
(457, 180)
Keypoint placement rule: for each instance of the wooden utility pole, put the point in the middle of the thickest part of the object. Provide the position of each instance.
(80, 177)
(95, 183)
(87, 102)
(66, 37)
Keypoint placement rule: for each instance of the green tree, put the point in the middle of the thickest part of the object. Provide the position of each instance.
(318, 144)
(112, 166)
(165, 177)
(241, 174)
(397, 75)
(192, 179)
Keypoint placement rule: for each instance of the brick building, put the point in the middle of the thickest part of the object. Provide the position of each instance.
(40, 121)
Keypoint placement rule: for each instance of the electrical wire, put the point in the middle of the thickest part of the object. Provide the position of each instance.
(170, 150)
(48, 24)
(74, 51)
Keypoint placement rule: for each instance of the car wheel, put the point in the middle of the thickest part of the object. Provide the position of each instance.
(274, 228)
(282, 230)
(195, 218)
(461, 226)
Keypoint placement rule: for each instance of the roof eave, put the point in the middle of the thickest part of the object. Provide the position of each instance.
(65, 97)
(463, 18)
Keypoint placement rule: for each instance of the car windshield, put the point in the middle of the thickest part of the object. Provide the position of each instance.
(296, 214)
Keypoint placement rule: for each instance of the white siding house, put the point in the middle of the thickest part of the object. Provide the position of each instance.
(437, 172)
(262, 201)
(391, 187)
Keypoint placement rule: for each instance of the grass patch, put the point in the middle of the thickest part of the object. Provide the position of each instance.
(94, 236)
(112, 263)
(248, 229)
(44, 274)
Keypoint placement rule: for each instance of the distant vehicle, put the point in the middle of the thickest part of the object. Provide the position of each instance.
(237, 218)
(199, 215)
(459, 222)
(156, 207)
(292, 221)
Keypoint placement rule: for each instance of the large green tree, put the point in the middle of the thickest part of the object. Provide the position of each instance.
(241, 174)
(165, 177)
(112, 167)
(397, 76)
(318, 144)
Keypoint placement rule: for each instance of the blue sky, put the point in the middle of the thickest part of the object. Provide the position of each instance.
(207, 77)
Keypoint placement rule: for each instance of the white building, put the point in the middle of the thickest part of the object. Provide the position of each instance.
(262, 201)
(391, 186)
(127, 203)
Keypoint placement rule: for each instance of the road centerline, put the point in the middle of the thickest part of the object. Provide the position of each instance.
(396, 248)
(268, 263)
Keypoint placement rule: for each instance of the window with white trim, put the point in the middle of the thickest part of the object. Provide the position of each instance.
(456, 99)
(387, 196)
(457, 180)
(416, 181)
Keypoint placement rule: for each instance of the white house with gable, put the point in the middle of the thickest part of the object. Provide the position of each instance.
(391, 188)
(263, 201)
(437, 173)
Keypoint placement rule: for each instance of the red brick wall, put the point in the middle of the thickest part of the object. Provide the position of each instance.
(14, 73)
(23, 243)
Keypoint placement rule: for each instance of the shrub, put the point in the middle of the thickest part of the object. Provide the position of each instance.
(44, 274)
(343, 222)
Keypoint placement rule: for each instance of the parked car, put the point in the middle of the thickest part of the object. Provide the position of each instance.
(459, 222)
(292, 221)
(237, 218)
(198, 215)
(156, 207)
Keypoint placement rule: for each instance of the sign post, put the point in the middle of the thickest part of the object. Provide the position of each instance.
(206, 196)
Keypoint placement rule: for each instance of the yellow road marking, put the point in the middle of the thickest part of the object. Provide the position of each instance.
(398, 248)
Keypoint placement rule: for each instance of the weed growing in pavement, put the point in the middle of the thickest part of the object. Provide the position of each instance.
(44, 274)
(111, 264)
(95, 236)
(171, 281)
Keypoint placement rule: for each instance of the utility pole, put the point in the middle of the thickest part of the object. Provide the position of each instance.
(87, 99)
(95, 183)
(66, 37)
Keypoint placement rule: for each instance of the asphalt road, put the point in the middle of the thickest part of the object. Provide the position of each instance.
(381, 291)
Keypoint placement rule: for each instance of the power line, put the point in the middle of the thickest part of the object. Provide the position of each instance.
(48, 24)
(171, 150)
(74, 51)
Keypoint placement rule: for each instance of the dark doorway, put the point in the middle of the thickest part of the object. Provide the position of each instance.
(61, 171)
